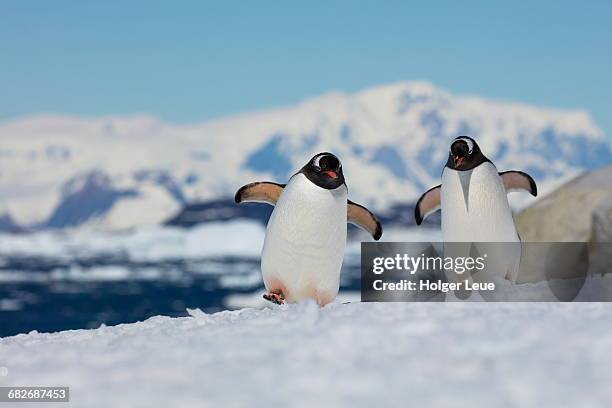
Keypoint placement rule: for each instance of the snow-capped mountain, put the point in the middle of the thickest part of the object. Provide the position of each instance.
(118, 172)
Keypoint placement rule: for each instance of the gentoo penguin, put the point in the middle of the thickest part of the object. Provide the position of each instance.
(306, 234)
(472, 197)
(476, 215)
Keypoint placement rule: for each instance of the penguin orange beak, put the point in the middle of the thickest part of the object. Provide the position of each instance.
(332, 174)
(458, 160)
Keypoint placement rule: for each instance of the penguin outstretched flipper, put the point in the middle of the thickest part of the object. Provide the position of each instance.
(427, 204)
(360, 216)
(473, 196)
(515, 180)
(305, 237)
(260, 192)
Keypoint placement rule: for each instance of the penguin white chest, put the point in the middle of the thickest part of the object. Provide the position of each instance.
(305, 241)
(475, 207)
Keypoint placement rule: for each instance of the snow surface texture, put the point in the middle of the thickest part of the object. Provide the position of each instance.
(358, 354)
(119, 172)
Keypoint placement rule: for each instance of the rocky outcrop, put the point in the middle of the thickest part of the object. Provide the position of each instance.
(601, 230)
(578, 211)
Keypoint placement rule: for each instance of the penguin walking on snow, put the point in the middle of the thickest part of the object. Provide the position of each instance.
(475, 209)
(472, 197)
(306, 234)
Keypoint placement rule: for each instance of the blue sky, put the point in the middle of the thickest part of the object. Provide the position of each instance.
(190, 61)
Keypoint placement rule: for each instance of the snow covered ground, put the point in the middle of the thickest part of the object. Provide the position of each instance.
(357, 354)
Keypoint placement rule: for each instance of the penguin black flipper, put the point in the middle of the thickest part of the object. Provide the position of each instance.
(427, 204)
(360, 216)
(260, 192)
(515, 180)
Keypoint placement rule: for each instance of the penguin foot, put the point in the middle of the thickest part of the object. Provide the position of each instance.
(274, 297)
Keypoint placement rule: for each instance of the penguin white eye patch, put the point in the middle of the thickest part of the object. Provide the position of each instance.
(469, 143)
(317, 161)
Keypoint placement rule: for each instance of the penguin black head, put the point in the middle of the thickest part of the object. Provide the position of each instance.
(465, 154)
(324, 170)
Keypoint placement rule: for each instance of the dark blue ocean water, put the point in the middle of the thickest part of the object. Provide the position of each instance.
(50, 294)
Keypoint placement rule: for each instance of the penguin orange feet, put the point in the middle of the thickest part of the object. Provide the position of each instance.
(275, 297)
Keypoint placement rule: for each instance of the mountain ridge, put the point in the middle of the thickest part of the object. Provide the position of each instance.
(393, 141)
